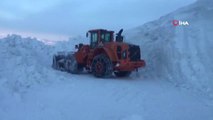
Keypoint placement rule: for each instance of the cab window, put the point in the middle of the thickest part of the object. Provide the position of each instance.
(94, 39)
(105, 37)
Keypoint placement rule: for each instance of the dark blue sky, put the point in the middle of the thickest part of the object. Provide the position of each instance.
(58, 19)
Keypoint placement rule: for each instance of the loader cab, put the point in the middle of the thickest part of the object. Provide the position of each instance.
(99, 37)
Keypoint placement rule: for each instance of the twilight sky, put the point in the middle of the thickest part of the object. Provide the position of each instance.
(59, 19)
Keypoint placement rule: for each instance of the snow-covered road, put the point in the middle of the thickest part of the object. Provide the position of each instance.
(83, 97)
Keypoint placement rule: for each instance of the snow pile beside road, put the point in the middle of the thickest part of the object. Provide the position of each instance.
(27, 61)
(181, 54)
(24, 62)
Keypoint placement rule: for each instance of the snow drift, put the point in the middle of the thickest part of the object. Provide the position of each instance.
(24, 62)
(181, 54)
(27, 61)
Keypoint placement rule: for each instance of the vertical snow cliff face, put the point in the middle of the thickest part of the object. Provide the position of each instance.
(27, 61)
(24, 62)
(182, 54)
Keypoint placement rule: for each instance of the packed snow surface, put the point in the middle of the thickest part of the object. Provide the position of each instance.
(177, 58)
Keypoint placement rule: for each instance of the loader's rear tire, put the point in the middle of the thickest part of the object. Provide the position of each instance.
(72, 66)
(122, 73)
(102, 66)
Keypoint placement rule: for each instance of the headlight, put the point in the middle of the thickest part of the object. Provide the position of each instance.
(117, 65)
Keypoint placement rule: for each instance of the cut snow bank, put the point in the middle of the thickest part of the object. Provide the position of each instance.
(181, 54)
(24, 62)
(27, 61)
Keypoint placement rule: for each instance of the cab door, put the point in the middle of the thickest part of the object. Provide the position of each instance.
(93, 40)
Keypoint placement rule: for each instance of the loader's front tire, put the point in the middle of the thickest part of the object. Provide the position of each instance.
(72, 66)
(102, 66)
